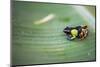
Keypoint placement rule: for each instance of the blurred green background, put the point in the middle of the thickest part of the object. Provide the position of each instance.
(46, 43)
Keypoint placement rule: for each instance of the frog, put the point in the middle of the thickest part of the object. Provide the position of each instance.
(79, 32)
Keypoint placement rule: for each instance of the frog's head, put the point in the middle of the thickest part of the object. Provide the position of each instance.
(67, 30)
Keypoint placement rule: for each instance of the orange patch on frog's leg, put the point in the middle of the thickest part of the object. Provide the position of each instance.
(81, 36)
